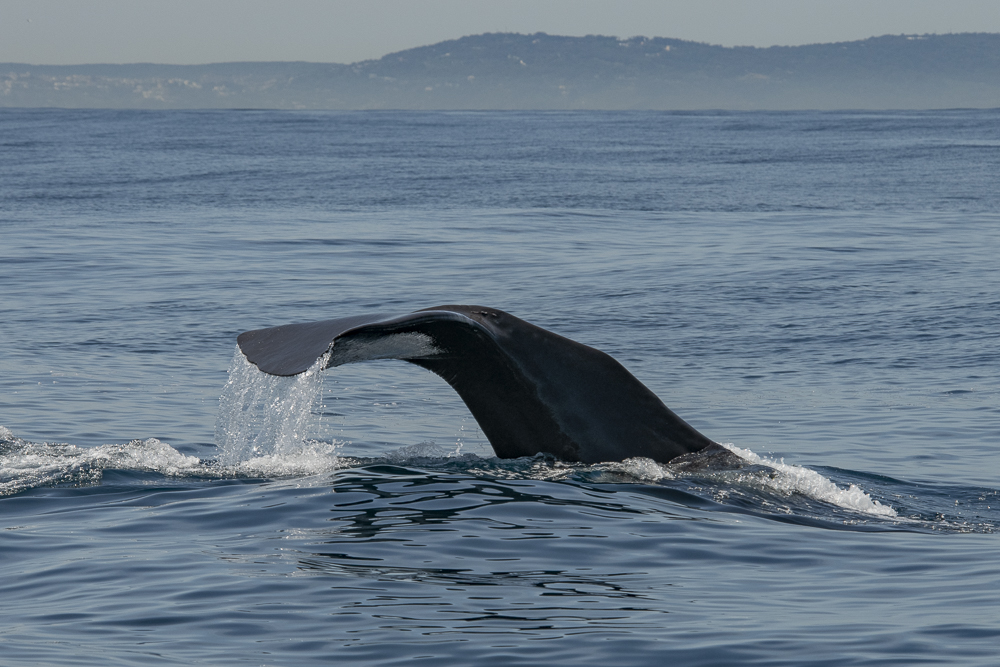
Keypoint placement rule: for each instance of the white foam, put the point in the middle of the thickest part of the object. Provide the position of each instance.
(309, 458)
(29, 464)
(271, 420)
(786, 479)
(644, 469)
(796, 479)
(25, 465)
(149, 455)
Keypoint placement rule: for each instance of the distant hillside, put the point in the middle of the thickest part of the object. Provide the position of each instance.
(512, 71)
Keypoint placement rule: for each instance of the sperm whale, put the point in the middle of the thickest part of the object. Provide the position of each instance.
(530, 390)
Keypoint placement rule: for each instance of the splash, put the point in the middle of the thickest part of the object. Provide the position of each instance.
(25, 465)
(265, 422)
(796, 479)
(646, 470)
(309, 458)
(781, 478)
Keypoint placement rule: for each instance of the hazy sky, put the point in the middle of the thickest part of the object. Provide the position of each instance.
(202, 31)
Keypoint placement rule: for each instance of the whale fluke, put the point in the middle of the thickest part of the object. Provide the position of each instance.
(530, 390)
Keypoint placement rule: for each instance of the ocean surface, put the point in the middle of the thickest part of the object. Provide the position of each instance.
(818, 291)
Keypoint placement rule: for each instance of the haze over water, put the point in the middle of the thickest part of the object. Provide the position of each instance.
(818, 290)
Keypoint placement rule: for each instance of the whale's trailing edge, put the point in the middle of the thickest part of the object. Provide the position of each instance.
(530, 390)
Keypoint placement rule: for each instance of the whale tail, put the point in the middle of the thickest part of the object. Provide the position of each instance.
(530, 390)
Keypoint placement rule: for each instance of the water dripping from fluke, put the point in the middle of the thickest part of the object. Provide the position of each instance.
(267, 425)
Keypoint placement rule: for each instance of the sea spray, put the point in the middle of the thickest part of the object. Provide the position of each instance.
(781, 477)
(797, 479)
(26, 465)
(264, 417)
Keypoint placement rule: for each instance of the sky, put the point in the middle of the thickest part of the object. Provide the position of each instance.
(66, 32)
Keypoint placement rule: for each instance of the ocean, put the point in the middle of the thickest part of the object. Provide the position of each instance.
(817, 291)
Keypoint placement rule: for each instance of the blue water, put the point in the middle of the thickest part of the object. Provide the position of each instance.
(817, 290)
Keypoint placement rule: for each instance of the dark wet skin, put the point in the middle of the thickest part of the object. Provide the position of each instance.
(530, 390)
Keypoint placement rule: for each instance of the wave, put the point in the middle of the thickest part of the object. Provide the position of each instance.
(265, 430)
(25, 465)
(263, 418)
(763, 487)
